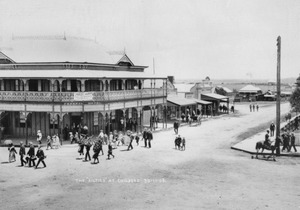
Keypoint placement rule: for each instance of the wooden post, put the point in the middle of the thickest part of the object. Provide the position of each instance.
(51, 116)
(25, 98)
(124, 121)
(278, 93)
(60, 116)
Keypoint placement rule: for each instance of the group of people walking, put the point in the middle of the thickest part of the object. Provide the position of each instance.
(112, 140)
(148, 137)
(27, 158)
(253, 107)
(53, 142)
(288, 140)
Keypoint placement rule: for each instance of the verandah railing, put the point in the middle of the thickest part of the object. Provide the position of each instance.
(80, 96)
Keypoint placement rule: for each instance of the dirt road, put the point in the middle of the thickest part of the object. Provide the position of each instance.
(208, 175)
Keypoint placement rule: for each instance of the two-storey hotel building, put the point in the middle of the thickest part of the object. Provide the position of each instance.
(47, 83)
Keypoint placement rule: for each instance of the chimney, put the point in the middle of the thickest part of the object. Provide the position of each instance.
(171, 79)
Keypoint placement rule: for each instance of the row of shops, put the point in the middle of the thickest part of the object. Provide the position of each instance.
(209, 105)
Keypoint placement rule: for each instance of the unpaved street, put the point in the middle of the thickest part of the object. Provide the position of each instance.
(208, 175)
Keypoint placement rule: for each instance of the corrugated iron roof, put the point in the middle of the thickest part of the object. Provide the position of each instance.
(202, 102)
(249, 89)
(180, 101)
(57, 49)
(214, 96)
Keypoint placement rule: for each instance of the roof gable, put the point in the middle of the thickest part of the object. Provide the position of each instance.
(5, 59)
(125, 60)
(250, 88)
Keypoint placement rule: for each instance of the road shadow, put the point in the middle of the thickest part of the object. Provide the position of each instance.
(5, 162)
(124, 150)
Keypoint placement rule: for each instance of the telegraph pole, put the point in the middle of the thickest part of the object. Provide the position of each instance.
(278, 95)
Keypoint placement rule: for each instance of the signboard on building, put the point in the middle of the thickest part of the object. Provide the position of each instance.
(83, 96)
(95, 118)
(22, 117)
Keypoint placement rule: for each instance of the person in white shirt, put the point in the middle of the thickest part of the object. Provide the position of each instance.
(39, 137)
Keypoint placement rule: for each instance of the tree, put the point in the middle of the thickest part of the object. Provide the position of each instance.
(295, 100)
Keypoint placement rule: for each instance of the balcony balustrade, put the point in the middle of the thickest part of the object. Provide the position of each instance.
(96, 96)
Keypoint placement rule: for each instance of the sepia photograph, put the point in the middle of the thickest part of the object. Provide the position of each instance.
(149, 104)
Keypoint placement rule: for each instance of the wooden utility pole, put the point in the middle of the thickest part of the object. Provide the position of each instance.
(278, 93)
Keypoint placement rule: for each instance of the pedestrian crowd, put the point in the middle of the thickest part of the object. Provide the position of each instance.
(113, 140)
(253, 107)
(27, 158)
(288, 138)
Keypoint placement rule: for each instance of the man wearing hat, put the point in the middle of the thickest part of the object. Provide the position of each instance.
(292, 143)
(149, 137)
(22, 152)
(41, 156)
(272, 128)
(31, 154)
(49, 142)
(145, 136)
(176, 125)
(267, 139)
(286, 141)
(131, 136)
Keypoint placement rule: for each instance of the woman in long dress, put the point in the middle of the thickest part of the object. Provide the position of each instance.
(12, 153)
(56, 142)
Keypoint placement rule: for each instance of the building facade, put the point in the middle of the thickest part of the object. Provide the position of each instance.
(51, 94)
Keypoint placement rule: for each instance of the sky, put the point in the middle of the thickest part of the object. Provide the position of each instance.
(188, 39)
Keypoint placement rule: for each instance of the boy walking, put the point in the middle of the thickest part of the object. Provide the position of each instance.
(130, 143)
(292, 143)
(49, 142)
(41, 156)
(110, 149)
(22, 152)
(31, 154)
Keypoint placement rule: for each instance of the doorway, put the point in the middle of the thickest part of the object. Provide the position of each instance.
(75, 120)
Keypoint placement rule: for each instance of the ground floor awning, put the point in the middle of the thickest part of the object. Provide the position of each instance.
(202, 102)
(213, 97)
(179, 101)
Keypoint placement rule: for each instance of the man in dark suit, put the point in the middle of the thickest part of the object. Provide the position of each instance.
(31, 154)
(66, 132)
(272, 128)
(149, 137)
(134, 124)
(87, 153)
(176, 125)
(41, 156)
(131, 140)
(145, 136)
(22, 152)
